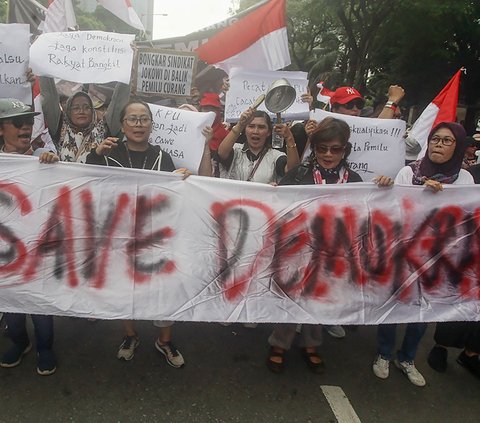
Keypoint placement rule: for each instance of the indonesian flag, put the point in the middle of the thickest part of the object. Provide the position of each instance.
(324, 94)
(123, 9)
(443, 108)
(258, 40)
(60, 16)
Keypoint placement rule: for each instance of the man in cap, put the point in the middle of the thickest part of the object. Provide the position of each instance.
(16, 125)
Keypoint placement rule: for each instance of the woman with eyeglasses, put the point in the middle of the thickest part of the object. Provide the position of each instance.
(16, 126)
(135, 152)
(74, 129)
(442, 164)
(327, 164)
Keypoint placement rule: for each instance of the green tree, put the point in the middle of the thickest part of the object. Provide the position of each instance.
(3, 11)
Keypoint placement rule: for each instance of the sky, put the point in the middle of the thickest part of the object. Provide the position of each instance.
(186, 16)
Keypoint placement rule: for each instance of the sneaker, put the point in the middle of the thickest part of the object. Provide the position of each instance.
(470, 363)
(336, 331)
(437, 359)
(381, 367)
(128, 347)
(172, 355)
(14, 355)
(46, 363)
(411, 372)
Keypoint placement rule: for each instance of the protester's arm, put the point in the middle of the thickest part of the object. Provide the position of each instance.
(226, 146)
(120, 97)
(291, 147)
(395, 95)
(50, 105)
(205, 168)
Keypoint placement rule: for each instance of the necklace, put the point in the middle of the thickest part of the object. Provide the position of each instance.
(130, 159)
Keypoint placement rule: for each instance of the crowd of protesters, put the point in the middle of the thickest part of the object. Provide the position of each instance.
(115, 131)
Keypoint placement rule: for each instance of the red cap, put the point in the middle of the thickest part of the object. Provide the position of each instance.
(343, 95)
(210, 99)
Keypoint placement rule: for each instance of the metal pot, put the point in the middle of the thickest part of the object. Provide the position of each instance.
(280, 96)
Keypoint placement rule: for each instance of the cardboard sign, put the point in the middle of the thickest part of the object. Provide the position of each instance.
(14, 47)
(247, 85)
(179, 133)
(163, 72)
(378, 146)
(117, 243)
(83, 56)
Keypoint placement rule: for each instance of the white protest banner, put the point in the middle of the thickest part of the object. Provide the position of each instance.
(94, 241)
(163, 72)
(83, 56)
(378, 147)
(247, 85)
(14, 46)
(179, 133)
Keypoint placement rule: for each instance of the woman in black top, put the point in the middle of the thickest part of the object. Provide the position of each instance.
(327, 164)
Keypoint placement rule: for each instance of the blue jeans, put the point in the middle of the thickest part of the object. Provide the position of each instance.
(386, 340)
(17, 330)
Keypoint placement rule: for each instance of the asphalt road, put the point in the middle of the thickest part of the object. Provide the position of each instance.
(225, 380)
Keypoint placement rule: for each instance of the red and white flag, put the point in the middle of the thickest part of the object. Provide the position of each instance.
(258, 40)
(60, 16)
(324, 94)
(443, 108)
(123, 9)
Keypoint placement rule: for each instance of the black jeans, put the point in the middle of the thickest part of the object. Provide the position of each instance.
(458, 335)
(17, 330)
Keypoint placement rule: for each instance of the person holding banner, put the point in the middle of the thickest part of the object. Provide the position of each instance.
(134, 151)
(256, 160)
(442, 164)
(16, 126)
(75, 130)
(327, 164)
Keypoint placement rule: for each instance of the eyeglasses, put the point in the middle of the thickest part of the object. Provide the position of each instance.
(80, 109)
(334, 149)
(133, 120)
(446, 141)
(358, 103)
(19, 121)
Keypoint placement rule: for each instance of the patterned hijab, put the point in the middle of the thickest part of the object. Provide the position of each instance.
(446, 173)
(75, 143)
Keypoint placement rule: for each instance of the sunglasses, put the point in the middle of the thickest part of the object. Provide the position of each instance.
(358, 103)
(334, 149)
(19, 121)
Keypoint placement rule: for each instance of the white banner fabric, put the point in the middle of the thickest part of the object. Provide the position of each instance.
(14, 62)
(378, 146)
(83, 56)
(179, 133)
(247, 85)
(110, 243)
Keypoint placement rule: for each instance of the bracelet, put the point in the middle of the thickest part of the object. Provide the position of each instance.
(294, 145)
(235, 132)
(391, 105)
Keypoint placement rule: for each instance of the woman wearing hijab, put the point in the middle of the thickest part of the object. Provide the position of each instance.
(442, 164)
(74, 128)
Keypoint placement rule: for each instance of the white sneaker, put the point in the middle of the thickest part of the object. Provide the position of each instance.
(381, 367)
(335, 331)
(411, 371)
(171, 354)
(127, 348)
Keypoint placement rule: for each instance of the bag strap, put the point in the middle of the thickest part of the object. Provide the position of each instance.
(259, 160)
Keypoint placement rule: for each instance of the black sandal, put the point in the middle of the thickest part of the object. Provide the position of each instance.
(273, 366)
(312, 363)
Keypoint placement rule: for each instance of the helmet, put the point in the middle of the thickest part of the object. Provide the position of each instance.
(11, 107)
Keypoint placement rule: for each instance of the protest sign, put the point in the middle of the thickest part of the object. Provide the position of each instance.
(83, 56)
(179, 133)
(163, 72)
(378, 146)
(115, 243)
(14, 45)
(247, 85)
